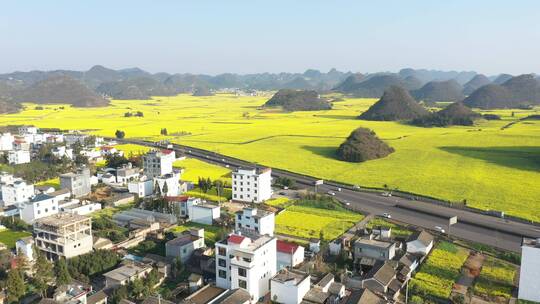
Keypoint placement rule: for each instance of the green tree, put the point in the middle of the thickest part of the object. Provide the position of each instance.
(165, 188)
(157, 189)
(218, 184)
(119, 294)
(120, 134)
(62, 273)
(15, 285)
(43, 272)
(137, 289)
(22, 262)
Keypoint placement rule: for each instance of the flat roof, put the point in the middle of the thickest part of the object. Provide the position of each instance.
(62, 219)
(374, 243)
(285, 275)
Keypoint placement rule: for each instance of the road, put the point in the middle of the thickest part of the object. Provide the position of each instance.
(471, 226)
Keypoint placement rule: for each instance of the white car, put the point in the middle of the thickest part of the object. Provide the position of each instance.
(331, 193)
(338, 189)
(440, 229)
(387, 215)
(386, 194)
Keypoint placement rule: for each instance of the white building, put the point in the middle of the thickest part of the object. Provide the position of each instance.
(126, 174)
(63, 235)
(62, 151)
(172, 180)
(16, 157)
(6, 141)
(27, 130)
(255, 220)
(78, 182)
(420, 242)
(142, 188)
(252, 185)
(204, 213)
(40, 206)
(183, 246)
(79, 207)
(157, 163)
(288, 254)
(16, 191)
(246, 263)
(26, 247)
(529, 289)
(289, 286)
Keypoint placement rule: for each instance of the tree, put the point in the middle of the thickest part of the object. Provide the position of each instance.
(115, 160)
(218, 184)
(164, 131)
(15, 285)
(22, 262)
(119, 294)
(157, 189)
(208, 184)
(62, 273)
(137, 288)
(152, 279)
(120, 134)
(165, 189)
(43, 272)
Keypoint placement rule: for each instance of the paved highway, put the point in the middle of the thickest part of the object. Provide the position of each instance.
(471, 226)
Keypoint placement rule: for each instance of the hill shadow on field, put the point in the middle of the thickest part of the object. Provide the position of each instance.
(328, 152)
(522, 158)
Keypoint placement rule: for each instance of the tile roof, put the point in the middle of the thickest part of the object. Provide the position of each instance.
(286, 247)
(235, 239)
(424, 237)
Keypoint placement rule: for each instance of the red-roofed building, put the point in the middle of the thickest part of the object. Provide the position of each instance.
(236, 239)
(288, 254)
(166, 151)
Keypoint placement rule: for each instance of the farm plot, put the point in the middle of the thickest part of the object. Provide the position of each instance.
(9, 237)
(309, 222)
(439, 272)
(496, 280)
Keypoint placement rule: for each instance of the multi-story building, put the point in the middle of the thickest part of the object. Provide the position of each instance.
(27, 130)
(143, 187)
(530, 268)
(40, 206)
(16, 157)
(78, 183)
(158, 163)
(126, 174)
(255, 220)
(374, 249)
(62, 151)
(252, 185)
(63, 235)
(289, 286)
(172, 180)
(247, 263)
(16, 191)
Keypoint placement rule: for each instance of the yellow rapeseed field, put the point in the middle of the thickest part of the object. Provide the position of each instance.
(489, 167)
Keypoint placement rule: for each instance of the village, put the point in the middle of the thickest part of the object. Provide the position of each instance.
(159, 245)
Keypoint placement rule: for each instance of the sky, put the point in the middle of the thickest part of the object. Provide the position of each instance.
(212, 37)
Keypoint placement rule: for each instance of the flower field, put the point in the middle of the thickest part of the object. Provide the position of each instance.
(489, 167)
(308, 222)
(439, 272)
(496, 279)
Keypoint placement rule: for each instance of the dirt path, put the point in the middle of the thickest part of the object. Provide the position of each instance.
(470, 270)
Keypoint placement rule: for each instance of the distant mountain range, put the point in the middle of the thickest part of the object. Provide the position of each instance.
(95, 86)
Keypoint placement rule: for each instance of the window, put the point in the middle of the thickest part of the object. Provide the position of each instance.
(222, 274)
(242, 284)
(242, 272)
(256, 221)
(382, 254)
(247, 260)
(222, 263)
(222, 251)
(239, 216)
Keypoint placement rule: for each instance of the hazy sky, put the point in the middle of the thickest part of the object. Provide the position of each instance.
(271, 36)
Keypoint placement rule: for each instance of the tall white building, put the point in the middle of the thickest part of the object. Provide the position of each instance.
(529, 289)
(252, 185)
(257, 221)
(63, 235)
(16, 157)
(247, 263)
(172, 180)
(40, 206)
(15, 191)
(157, 163)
